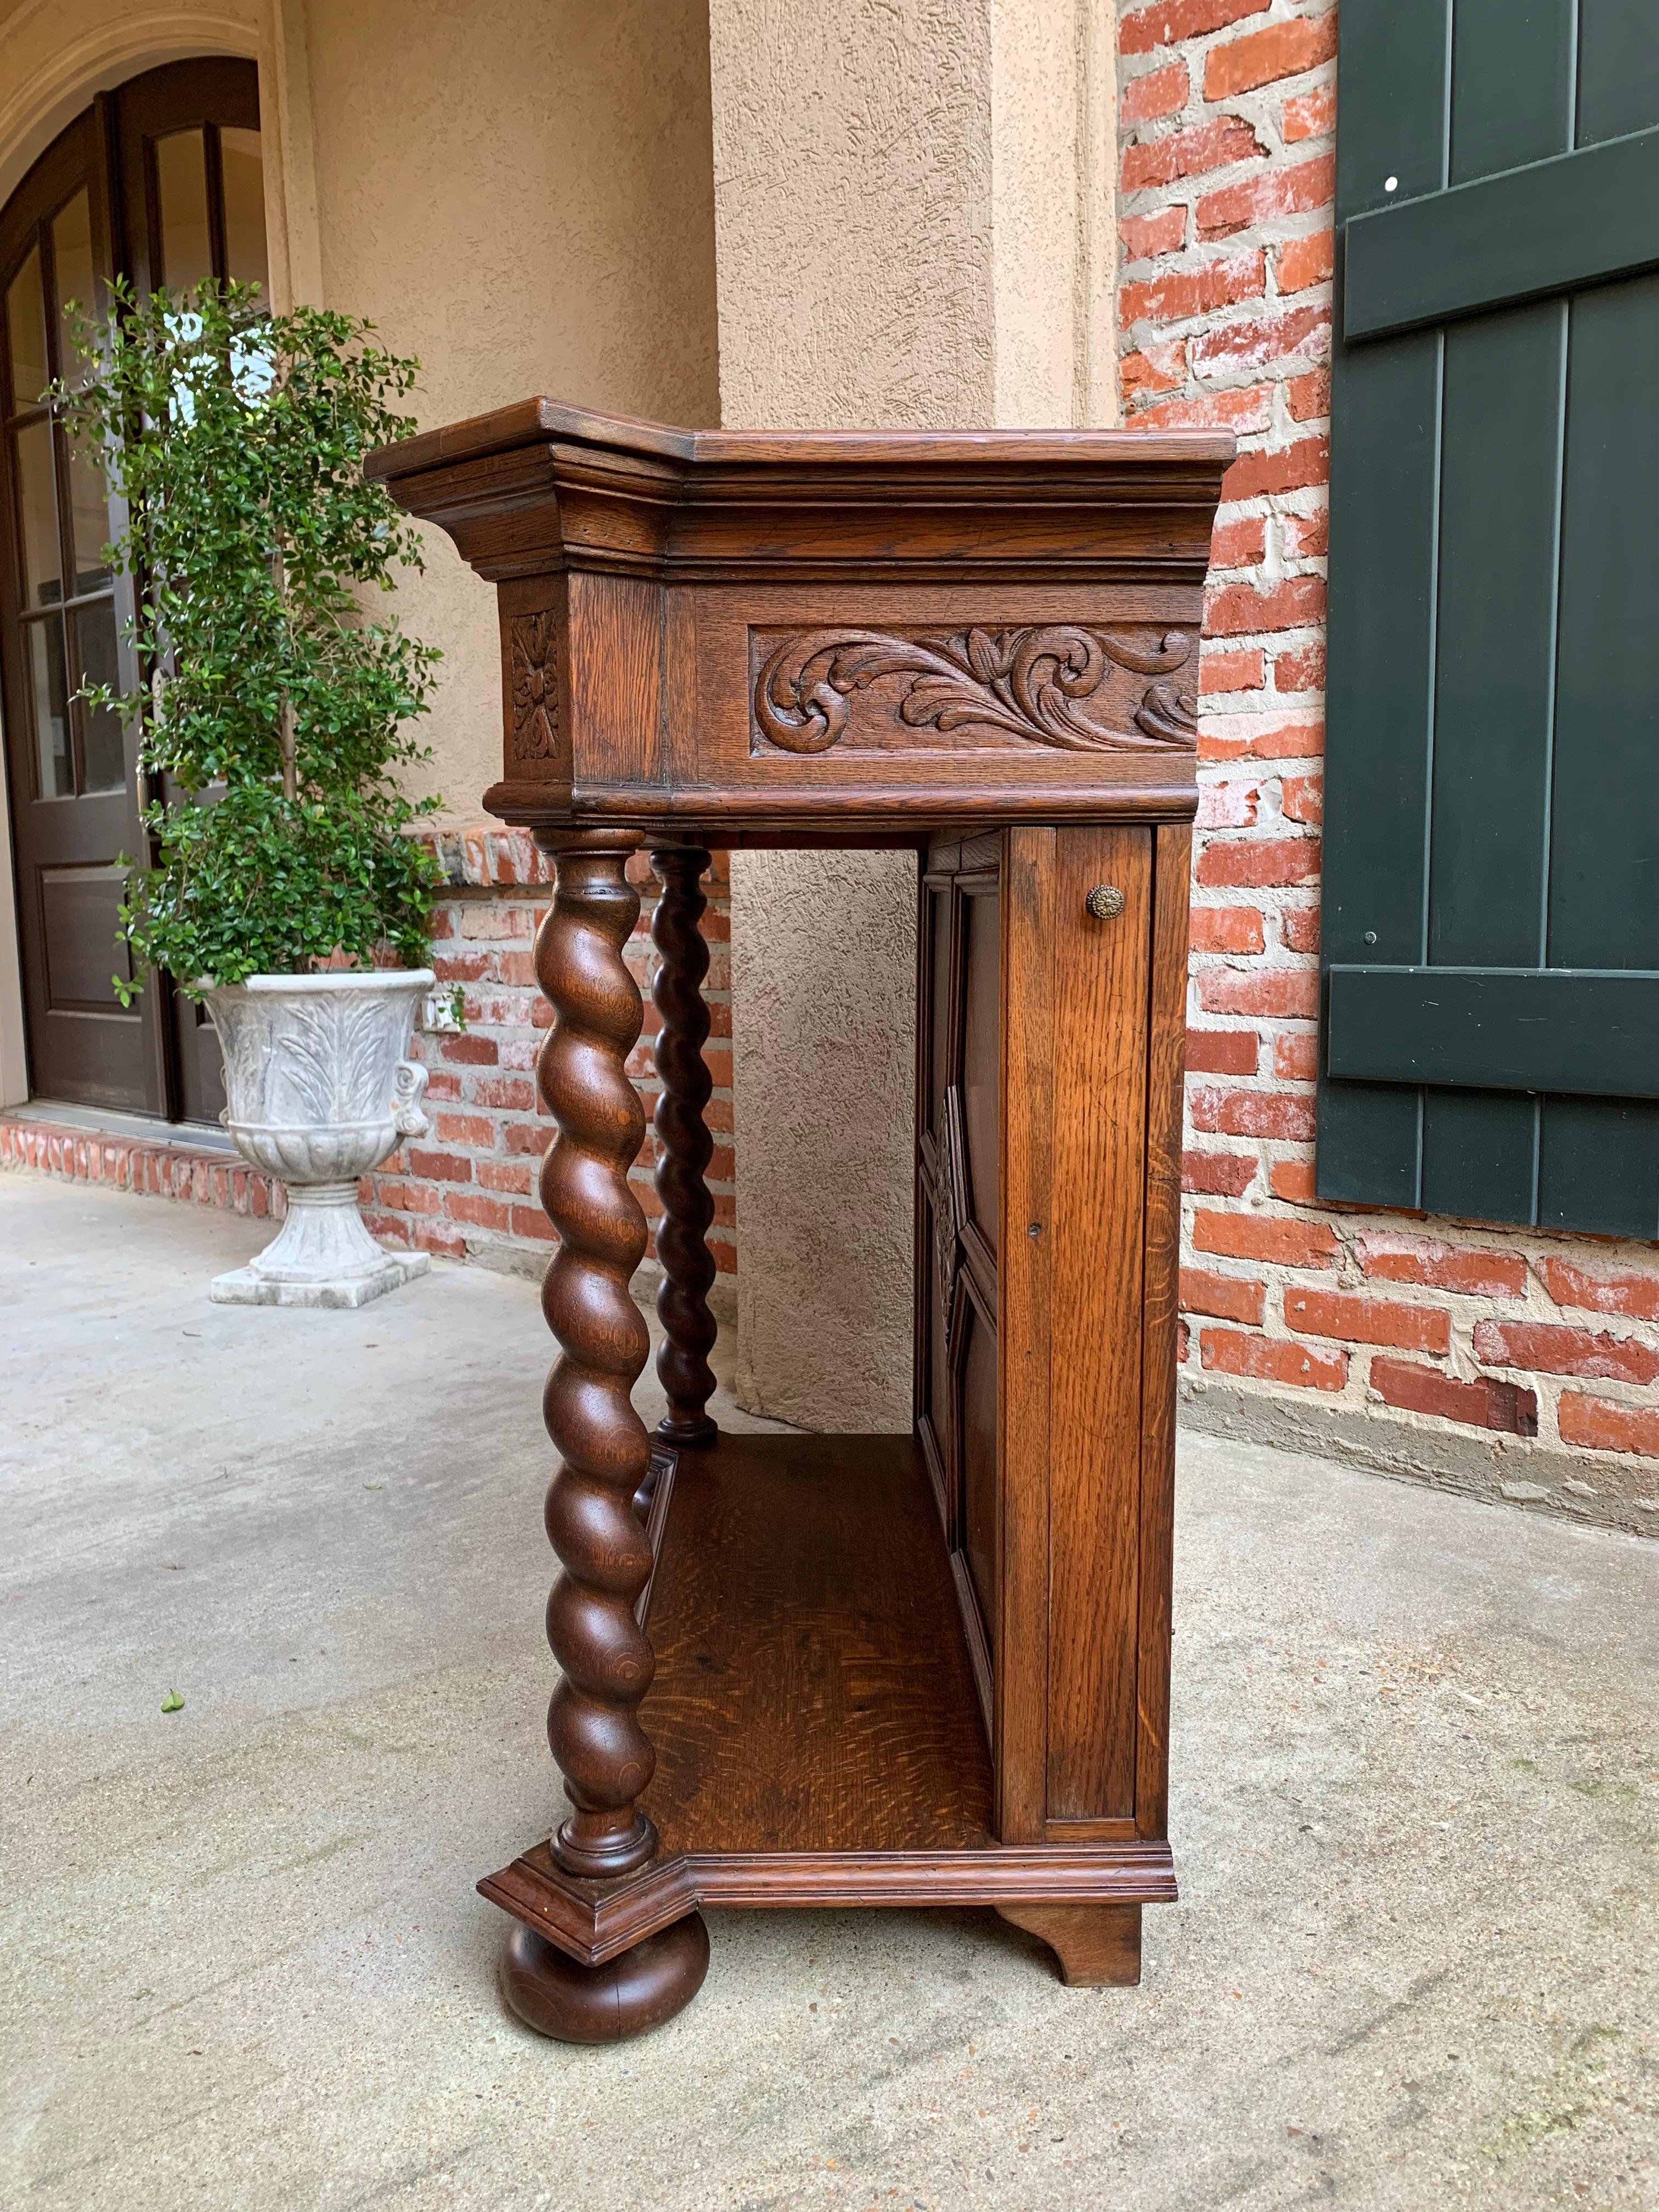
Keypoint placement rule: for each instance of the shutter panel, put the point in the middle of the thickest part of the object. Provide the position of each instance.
(1491, 891)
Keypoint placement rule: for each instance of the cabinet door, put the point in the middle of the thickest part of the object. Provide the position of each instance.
(959, 1220)
(1093, 1031)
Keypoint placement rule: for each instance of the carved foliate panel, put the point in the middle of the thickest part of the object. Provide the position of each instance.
(534, 648)
(1065, 687)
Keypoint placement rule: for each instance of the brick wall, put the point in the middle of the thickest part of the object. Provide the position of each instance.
(467, 1191)
(1388, 1337)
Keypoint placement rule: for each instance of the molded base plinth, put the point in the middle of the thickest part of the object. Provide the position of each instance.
(246, 1286)
(1098, 1946)
(635, 1990)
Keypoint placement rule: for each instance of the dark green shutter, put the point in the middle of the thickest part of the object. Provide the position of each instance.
(1491, 899)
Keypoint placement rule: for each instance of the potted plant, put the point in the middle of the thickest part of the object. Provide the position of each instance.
(280, 885)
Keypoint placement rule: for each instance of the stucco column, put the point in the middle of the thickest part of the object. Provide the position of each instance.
(912, 206)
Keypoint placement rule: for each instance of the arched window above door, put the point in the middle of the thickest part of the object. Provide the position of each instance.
(161, 182)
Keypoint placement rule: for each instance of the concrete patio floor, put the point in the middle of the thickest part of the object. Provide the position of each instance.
(1414, 1782)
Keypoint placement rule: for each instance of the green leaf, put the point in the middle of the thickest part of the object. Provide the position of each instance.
(173, 1703)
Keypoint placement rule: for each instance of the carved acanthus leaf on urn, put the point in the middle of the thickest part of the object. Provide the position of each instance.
(535, 686)
(1035, 683)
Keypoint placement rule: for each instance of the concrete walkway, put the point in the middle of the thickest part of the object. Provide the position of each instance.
(244, 1966)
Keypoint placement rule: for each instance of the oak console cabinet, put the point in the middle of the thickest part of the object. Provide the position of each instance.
(819, 1669)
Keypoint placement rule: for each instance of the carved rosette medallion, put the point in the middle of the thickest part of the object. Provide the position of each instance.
(535, 645)
(1048, 684)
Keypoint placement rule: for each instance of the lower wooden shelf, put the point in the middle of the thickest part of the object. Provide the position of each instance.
(818, 1730)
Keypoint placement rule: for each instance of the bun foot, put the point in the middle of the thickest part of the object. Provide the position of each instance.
(1097, 1946)
(636, 1990)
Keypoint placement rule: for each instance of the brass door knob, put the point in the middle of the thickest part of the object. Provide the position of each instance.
(1105, 901)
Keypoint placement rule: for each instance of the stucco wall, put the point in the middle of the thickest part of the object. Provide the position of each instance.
(914, 225)
(520, 194)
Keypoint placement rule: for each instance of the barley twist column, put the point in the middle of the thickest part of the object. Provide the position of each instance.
(688, 1269)
(592, 1721)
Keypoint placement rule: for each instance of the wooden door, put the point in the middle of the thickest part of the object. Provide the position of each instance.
(161, 180)
(1049, 1171)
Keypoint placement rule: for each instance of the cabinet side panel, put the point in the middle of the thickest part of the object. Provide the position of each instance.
(1099, 1167)
(1166, 1049)
(1021, 1732)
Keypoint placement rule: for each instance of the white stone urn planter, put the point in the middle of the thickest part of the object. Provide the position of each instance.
(320, 1091)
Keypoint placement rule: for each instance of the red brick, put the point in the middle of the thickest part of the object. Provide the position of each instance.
(1171, 21)
(517, 1178)
(1270, 1361)
(1243, 412)
(511, 1094)
(1624, 1292)
(488, 918)
(1225, 929)
(1390, 1258)
(441, 923)
(442, 1084)
(1296, 1058)
(1217, 1175)
(1298, 333)
(1260, 739)
(1274, 993)
(1238, 544)
(1310, 115)
(1214, 145)
(1240, 610)
(1293, 1180)
(1154, 369)
(409, 1197)
(1264, 57)
(1252, 1114)
(1305, 537)
(1301, 669)
(1287, 468)
(518, 970)
(1308, 399)
(1552, 1348)
(1267, 1236)
(478, 1213)
(464, 1129)
(1485, 1404)
(1270, 193)
(1221, 1052)
(1243, 863)
(531, 1221)
(1228, 803)
(526, 1137)
(1367, 1321)
(1225, 1297)
(463, 967)
(1301, 798)
(469, 1050)
(1299, 927)
(1301, 262)
(1598, 1424)
(1176, 294)
(438, 1237)
(1144, 237)
(440, 1167)
(1234, 670)
(1148, 99)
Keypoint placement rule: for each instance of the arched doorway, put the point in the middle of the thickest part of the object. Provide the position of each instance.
(160, 181)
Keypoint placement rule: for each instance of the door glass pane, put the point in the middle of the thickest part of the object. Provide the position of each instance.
(104, 754)
(32, 447)
(181, 182)
(88, 518)
(244, 207)
(25, 325)
(50, 701)
(71, 251)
